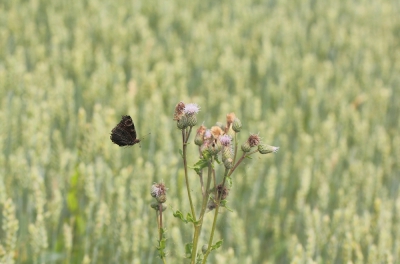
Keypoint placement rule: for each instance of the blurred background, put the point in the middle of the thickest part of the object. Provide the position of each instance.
(319, 79)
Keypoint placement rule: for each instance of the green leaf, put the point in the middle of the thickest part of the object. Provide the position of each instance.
(189, 217)
(181, 152)
(201, 164)
(229, 181)
(223, 204)
(216, 245)
(188, 250)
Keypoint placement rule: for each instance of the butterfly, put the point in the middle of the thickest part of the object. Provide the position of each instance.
(124, 134)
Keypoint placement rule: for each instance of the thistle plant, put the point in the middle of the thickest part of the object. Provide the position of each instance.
(217, 145)
(159, 192)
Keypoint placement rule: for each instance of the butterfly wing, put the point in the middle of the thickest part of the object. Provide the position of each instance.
(124, 134)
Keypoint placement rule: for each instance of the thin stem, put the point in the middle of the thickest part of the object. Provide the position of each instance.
(197, 229)
(160, 226)
(240, 160)
(236, 148)
(184, 140)
(218, 201)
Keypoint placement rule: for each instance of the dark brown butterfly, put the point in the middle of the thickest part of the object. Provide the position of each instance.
(124, 134)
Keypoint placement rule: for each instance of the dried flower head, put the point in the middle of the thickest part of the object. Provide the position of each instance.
(222, 191)
(216, 131)
(225, 140)
(254, 140)
(179, 111)
(229, 118)
(199, 138)
(191, 109)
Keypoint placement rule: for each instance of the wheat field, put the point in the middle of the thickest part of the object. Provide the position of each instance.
(319, 79)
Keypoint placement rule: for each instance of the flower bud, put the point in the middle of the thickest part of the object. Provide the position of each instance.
(246, 146)
(265, 149)
(227, 152)
(191, 120)
(236, 125)
(199, 138)
(156, 206)
(213, 148)
(162, 198)
(182, 122)
(228, 163)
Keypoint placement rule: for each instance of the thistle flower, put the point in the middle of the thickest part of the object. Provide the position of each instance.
(225, 140)
(199, 138)
(207, 134)
(252, 141)
(265, 149)
(179, 111)
(191, 109)
(159, 191)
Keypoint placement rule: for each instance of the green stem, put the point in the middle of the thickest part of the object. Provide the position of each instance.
(184, 140)
(240, 160)
(198, 226)
(218, 201)
(236, 148)
(160, 226)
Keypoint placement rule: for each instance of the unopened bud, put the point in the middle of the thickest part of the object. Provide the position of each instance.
(265, 149)
(236, 125)
(182, 122)
(228, 163)
(191, 120)
(246, 146)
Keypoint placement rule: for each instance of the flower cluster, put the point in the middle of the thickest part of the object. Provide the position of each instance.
(185, 115)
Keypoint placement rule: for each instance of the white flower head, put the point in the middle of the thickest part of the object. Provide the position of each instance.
(191, 109)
